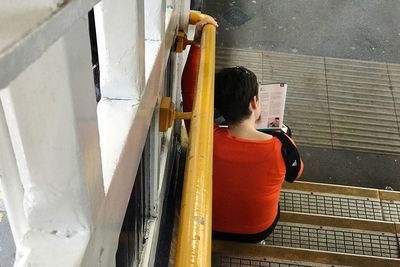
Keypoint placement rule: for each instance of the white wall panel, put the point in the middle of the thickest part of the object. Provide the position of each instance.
(50, 111)
(60, 212)
(154, 11)
(10, 181)
(28, 28)
(120, 39)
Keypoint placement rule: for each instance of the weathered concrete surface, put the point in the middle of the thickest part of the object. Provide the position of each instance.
(350, 167)
(356, 29)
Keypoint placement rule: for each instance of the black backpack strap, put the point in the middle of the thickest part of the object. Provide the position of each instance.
(290, 155)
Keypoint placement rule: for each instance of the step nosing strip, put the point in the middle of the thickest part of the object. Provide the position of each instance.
(381, 130)
(360, 87)
(350, 100)
(350, 223)
(368, 112)
(359, 116)
(389, 195)
(379, 85)
(333, 189)
(362, 138)
(372, 72)
(362, 91)
(395, 144)
(388, 151)
(278, 68)
(361, 63)
(382, 82)
(300, 255)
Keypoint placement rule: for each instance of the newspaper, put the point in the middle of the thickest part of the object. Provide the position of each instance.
(272, 98)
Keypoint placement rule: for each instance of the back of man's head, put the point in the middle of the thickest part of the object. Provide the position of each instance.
(234, 88)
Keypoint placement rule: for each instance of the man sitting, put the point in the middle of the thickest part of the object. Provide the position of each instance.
(248, 166)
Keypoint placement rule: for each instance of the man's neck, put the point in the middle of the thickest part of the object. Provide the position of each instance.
(242, 128)
(246, 130)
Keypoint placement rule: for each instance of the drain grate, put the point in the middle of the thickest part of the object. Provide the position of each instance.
(334, 240)
(225, 261)
(391, 210)
(334, 205)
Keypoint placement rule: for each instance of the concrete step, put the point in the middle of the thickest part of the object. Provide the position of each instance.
(242, 254)
(342, 201)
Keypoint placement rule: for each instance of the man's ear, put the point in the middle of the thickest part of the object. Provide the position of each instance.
(253, 102)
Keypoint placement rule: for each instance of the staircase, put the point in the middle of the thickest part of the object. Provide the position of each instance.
(325, 225)
(331, 107)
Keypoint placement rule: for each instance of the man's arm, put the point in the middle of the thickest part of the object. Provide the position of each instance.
(189, 79)
(191, 69)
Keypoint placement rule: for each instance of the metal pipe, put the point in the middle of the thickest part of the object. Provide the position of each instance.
(194, 235)
(183, 115)
(195, 17)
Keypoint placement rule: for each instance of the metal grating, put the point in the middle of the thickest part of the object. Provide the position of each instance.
(229, 261)
(336, 205)
(391, 210)
(334, 240)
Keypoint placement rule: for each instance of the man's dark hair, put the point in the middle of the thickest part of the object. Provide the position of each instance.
(234, 88)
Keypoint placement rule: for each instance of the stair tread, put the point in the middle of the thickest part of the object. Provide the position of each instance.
(242, 254)
(344, 201)
(336, 234)
(324, 225)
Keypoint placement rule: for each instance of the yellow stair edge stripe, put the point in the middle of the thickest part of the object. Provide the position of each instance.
(332, 189)
(339, 222)
(389, 195)
(343, 190)
(299, 255)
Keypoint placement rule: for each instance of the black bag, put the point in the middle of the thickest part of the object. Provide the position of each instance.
(290, 155)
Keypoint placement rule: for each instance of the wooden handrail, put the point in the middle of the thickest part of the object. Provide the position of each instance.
(194, 234)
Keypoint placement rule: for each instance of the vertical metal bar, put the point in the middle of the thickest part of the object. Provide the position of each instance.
(155, 31)
(151, 167)
(194, 236)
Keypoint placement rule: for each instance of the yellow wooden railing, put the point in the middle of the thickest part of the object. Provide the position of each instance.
(194, 236)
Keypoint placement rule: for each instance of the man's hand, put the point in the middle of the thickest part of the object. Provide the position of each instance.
(199, 28)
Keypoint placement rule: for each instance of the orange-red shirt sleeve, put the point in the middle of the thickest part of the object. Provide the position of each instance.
(189, 79)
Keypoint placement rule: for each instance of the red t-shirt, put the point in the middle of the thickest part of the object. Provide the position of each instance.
(247, 179)
(247, 174)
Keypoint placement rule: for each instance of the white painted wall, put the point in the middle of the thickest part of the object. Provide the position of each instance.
(68, 165)
(50, 112)
(120, 33)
